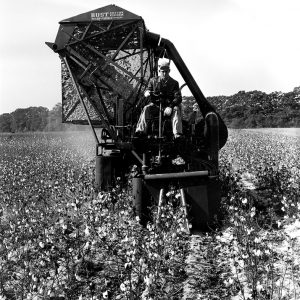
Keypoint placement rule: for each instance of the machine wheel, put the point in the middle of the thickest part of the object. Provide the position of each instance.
(141, 200)
(108, 168)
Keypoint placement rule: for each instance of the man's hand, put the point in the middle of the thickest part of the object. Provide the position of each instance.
(177, 99)
(147, 93)
(168, 111)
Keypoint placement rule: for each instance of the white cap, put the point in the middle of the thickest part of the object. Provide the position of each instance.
(163, 63)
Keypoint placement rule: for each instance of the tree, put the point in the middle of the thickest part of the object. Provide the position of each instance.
(250, 121)
(5, 123)
(54, 122)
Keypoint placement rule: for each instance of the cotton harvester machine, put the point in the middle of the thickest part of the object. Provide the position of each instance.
(107, 58)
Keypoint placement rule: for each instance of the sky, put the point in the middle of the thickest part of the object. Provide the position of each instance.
(228, 45)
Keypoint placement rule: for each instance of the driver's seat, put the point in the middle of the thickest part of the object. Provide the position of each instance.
(153, 123)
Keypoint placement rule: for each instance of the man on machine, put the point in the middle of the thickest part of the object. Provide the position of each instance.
(164, 89)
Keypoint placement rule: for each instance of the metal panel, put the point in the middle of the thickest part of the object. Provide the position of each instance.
(109, 12)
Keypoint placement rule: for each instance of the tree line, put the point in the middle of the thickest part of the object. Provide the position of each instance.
(242, 110)
(34, 119)
(256, 109)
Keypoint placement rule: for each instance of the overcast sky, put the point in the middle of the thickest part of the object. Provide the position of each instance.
(228, 45)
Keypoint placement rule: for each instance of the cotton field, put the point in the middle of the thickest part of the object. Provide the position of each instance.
(62, 240)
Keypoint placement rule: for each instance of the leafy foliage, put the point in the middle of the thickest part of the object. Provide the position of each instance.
(257, 248)
(253, 109)
(62, 240)
(257, 109)
(35, 119)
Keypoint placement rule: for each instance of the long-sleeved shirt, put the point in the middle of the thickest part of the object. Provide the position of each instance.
(167, 90)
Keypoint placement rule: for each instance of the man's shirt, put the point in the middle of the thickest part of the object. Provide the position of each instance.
(168, 90)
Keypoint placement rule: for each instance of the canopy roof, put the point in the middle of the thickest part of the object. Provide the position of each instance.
(106, 13)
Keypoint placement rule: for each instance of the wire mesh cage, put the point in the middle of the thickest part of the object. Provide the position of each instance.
(105, 67)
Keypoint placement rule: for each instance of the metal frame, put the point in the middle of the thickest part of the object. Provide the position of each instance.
(89, 68)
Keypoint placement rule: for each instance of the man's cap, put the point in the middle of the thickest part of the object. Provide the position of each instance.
(163, 63)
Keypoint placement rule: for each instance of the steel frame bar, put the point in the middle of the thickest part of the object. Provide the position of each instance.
(100, 27)
(78, 62)
(81, 65)
(111, 61)
(135, 102)
(143, 63)
(65, 118)
(99, 33)
(138, 85)
(110, 88)
(141, 53)
(81, 100)
(101, 55)
(103, 120)
(176, 175)
(72, 110)
(86, 70)
(78, 101)
(137, 157)
(86, 30)
(132, 93)
(124, 42)
(152, 62)
(141, 84)
(102, 102)
(110, 24)
(128, 54)
(80, 57)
